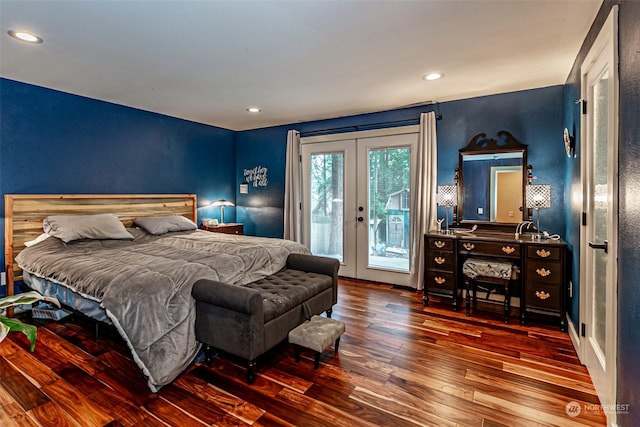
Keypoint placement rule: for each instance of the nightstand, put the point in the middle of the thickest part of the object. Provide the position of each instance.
(228, 228)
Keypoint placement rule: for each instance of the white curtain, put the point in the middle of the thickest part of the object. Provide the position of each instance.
(292, 184)
(424, 201)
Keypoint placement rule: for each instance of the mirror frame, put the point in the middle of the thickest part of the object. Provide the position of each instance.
(480, 144)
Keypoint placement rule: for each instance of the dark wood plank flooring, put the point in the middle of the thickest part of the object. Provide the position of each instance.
(400, 364)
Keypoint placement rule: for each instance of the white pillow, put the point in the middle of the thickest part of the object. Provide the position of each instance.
(38, 239)
(76, 227)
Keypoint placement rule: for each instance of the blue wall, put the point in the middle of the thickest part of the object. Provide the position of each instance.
(533, 117)
(54, 142)
(629, 214)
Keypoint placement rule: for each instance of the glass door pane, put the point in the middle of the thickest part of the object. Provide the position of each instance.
(327, 210)
(600, 209)
(389, 208)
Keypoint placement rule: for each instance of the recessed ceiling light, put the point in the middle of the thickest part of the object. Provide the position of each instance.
(25, 36)
(433, 76)
(254, 109)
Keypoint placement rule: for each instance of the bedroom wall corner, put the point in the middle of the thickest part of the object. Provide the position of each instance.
(260, 163)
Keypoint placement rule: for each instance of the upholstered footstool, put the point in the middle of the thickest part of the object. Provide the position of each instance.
(316, 334)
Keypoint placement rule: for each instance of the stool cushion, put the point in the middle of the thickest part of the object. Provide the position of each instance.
(317, 334)
(474, 267)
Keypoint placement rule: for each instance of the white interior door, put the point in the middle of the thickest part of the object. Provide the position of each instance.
(356, 202)
(599, 235)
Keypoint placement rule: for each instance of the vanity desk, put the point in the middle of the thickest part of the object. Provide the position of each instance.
(541, 264)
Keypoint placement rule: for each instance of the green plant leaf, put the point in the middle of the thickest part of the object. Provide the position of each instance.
(26, 298)
(10, 324)
(29, 331)
(4, 331)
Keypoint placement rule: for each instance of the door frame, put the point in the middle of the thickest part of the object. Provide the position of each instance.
(348, 136)
(607, 42)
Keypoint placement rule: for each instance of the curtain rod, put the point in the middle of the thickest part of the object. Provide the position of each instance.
(356, 128)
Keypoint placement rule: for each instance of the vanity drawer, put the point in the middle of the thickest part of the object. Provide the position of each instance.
(439, 244)
(544, 252)
(544, 272)
(439, 260)
(543, 296)
(489, 248)
(440, 280)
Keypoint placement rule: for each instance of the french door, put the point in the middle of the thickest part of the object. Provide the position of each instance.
(357, 201)
(598, 277)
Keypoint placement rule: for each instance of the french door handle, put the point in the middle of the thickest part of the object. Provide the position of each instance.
(360, 219)
(604, 246)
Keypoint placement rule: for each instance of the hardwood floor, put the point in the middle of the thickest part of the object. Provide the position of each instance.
(399, 364)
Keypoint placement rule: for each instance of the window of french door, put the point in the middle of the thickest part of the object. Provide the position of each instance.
(327, 201)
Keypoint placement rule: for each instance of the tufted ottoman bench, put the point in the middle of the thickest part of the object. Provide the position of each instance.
(317, 334)
(248, 320)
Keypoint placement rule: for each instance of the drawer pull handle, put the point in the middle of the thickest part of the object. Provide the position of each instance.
(468, 246)
(542, 253)
(543, 272)
(439, 260)
(508, 250)
(440, 280)
(543, 295)
(439, 244)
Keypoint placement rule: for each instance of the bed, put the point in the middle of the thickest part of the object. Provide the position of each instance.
(140, 285)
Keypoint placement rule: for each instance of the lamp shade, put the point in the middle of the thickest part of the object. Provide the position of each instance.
(447, 195)
(222, 202)
(538, 196)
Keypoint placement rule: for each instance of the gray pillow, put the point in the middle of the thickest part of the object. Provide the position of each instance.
(76, 227)
(163, 224)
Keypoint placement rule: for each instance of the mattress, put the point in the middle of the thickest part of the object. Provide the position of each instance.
(66, 296)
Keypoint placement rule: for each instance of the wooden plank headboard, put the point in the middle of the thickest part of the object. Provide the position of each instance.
(24, 214)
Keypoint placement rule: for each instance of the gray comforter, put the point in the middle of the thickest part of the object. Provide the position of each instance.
(145, 284)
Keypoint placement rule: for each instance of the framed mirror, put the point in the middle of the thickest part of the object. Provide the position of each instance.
(492, 175)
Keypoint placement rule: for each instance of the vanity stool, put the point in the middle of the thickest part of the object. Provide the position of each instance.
(490, 272)
(316, 334)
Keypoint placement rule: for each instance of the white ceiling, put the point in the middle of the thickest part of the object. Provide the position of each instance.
(207, 61)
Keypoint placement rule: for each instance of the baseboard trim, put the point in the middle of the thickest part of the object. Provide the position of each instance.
(575, 338)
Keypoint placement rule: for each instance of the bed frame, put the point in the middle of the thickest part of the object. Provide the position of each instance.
(24, 213)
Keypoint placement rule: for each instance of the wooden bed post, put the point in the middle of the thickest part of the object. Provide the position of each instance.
(8, 249)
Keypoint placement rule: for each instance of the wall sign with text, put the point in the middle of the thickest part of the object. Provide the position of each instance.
(257, 176)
